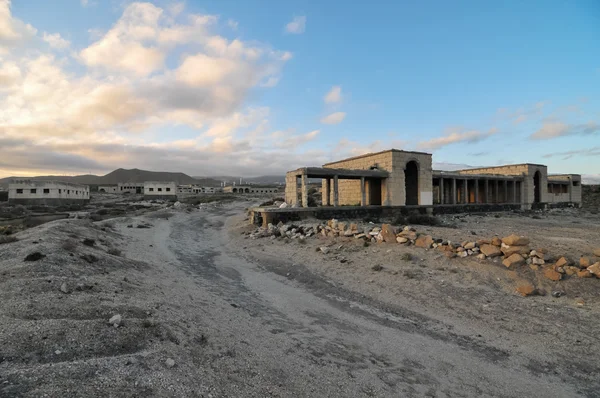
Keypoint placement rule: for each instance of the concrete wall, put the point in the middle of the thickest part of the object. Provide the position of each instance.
(249, 189)
(47, 192)
(196, 189)
(108, 188)
(130, 187)
(559, 183)
(160, 190)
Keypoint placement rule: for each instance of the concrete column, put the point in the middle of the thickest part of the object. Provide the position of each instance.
(486, 191)
(304, 191)
(454, 191)
(476, 191)
(514, 191)
(327, 193)
(363, 192)
(441, 190)
(336, 201)
(497, 185)
(466, 191)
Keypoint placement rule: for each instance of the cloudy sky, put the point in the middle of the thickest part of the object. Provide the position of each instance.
(260, 87)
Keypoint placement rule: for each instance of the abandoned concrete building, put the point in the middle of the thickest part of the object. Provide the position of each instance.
(160, 190)
(108, 188)
(130, 187)
(249, 189)
(402, 178)
(51, 193)
(195, 189)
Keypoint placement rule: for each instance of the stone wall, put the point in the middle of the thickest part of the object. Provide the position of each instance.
(291, 189)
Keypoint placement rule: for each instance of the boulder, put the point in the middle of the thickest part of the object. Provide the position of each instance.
(115, 321)
(469, 245)
(491, 250)
(526, 289)
(389, 233)
(484, 242)
(450, 254)
(342, 226)
(424, 241)
(324, 249)
(596, 252)
(513, 261)
(595, 269)
(510, 250)
(444, 248)
(584, 262)
(349, 232)
(584, 273)
(354, 228)
(537, 261)
(463, 254)
(515, 240)
(412, 235)
(401, 239)
(562, 262)
(496, 241)
(552, 274)
(570, 271)
(359, 236)
(481, 256)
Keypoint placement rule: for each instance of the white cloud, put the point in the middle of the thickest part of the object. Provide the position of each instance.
(552, 129)
(334, 95)
(297, 25)
(454, 136)
(232, 24)
(334, 118)
(56, 41)
(12, 30)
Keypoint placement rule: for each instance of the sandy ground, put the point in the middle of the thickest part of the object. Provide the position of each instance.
(258, 318)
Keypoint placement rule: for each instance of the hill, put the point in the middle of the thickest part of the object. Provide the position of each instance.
(124, 175)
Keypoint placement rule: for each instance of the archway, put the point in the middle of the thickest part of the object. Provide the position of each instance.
(234, 190)
(101, 190)
(247, 190)
(411, 183)
(537, 187)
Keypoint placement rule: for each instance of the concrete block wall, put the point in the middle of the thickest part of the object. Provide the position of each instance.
(291, 189)
(397, 182)
(158, 189)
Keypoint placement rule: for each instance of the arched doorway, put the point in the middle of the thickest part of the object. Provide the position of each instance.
(537, 187)
(411, 183)
(234, 190)
(247, 190)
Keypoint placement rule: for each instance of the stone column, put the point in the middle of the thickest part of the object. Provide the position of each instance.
(441, 190)
(363, 192)
(466, 191)
(454, 199)
(327, 194)
(304, 191)
(514, 191)
(486, 190)
(336, 201)
(476, 191)
(497, 185)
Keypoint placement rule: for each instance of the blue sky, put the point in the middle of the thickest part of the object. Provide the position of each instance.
(243, 88)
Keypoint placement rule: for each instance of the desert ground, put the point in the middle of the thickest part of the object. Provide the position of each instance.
(182, 301)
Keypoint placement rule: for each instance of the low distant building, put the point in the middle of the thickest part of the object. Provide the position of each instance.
(108, 188)
(51, 193)
(160, 190)
(130, 187)
(195, 189)
(249, 189)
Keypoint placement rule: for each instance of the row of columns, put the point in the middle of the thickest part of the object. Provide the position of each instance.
(464, 192)
(327, 194)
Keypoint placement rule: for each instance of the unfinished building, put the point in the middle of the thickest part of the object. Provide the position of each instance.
(249, 189)
(131, 187)
(402, 178)
(160, 190)
(49, 193)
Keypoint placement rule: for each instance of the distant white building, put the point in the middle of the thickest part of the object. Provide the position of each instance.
(108, 188)
(160, 190)
(195, 189)
(130, 187)
(50, 193)
(249, 189)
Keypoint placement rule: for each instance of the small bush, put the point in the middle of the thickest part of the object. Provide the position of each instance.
(7, 239)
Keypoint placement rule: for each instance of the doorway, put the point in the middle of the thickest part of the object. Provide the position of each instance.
(374, 187)
(411, 182)
(537, 187)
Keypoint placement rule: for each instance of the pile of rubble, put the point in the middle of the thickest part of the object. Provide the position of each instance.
(513, 250)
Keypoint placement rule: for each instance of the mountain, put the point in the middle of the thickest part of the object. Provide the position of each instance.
(124, 175)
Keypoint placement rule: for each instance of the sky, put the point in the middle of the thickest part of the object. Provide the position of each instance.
(259, 87)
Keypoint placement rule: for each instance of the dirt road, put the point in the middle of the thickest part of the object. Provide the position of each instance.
(204, 317)
(311, 339)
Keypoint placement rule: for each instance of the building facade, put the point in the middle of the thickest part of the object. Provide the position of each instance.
(130, 187)
(195, 189)
(403, 178)
(250, 189)
(108, 188)
(160, 190)
(50, 193)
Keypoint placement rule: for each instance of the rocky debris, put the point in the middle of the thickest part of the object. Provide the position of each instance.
(562, 262)
(377, 267)
(35, 256)
(169, 363)
(513, 260)
(324, 249)
(596, 252)
(584, 273)
(89, 242)
(425, 241)
(388, 233)
(401, 239)
(116, 320)
(496, 241)
(90, 258)
(491, 250)
(526, 289)
(510, 250)
(515, 240)
(595, 269)
(553, 275)
(64, 288)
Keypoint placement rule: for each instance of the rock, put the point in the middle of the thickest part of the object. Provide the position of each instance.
(450, 254)
(534, 267)
(562, 262)
(491, 250)
(483, 242)
(552, 274)
(584, 262)
(445, 248)
(596, 252)
(481, 256)
(580, 302)
(283, 205)
(412, 235)
(116, 320)
(89, 242)
(469, 245)
(510, 250)
(389, 233)
(424, 241)
(526, 289)
(341, 226)
(537, 261)
(354, 228)
(460, 249)
(533, 253)
(324, 249)
(377, 267)
(570, 271)
(90, 258)
(496, 241)
(35, 256)
(359, 236)
(584, 273)
(170, 362)
(64, 288)
(557, 293)
(401, 239)
(463, 254)
(515, 240)
(595, 269)
(513, 260)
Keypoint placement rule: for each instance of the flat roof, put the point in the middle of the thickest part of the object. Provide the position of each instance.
(503, 165)
(373, 154)
(459, 176)
(348, 174)
(33, 182)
